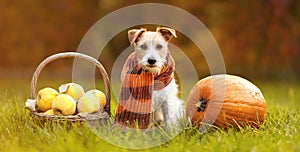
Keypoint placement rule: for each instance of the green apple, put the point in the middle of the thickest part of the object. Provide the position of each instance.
(44, 99)
(72, 89)
(88, 103)
(64, 104)
(99, 95)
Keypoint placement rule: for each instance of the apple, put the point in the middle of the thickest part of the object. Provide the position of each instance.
(72, 89)
(88, 103)
(44, 99)
(64, 104)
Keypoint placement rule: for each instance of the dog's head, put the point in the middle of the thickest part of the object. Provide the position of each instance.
(151, 47)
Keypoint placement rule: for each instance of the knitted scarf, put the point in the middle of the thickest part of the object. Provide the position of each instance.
(135, 101)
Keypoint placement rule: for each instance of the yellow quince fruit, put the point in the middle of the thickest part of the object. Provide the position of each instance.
(88, 103)
(44, 99)
(72, 89)
(100, 96)
(49, 112)
(64, 104)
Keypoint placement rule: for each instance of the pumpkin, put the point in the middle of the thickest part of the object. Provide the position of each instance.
(226, 100)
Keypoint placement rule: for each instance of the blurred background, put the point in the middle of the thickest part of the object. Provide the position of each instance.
(259, 39)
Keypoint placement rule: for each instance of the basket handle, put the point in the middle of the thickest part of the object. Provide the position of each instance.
(69, 55)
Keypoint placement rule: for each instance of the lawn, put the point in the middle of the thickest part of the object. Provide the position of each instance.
(279, 132)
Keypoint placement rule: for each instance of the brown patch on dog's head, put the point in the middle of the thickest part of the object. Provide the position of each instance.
(134, 34)
(167, 33)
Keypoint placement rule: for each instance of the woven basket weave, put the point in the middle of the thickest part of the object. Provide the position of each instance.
(101, 115)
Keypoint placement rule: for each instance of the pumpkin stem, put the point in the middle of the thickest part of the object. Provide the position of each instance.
(201, 105)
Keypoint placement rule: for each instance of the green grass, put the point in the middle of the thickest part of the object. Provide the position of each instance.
(279, 132)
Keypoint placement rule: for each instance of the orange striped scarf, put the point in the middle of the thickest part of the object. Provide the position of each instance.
(135, 101)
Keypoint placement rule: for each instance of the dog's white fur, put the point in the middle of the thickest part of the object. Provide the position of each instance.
(166, 106)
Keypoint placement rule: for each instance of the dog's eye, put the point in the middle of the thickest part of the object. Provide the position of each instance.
(143, 46)
(159, 46)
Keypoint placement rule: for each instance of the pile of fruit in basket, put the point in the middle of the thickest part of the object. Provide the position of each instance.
(70, 99)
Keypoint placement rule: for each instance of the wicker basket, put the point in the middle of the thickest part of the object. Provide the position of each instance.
(103, 115)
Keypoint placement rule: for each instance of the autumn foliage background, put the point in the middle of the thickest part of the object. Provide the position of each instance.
(259, 39)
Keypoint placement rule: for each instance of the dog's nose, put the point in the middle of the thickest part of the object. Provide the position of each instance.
(151, 61)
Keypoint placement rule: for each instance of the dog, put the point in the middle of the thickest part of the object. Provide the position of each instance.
(151, 48)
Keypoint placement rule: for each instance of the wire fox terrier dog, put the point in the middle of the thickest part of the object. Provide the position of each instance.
(151, 55)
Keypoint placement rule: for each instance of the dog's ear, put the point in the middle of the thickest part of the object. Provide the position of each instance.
(134, 34)
(167, 33)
